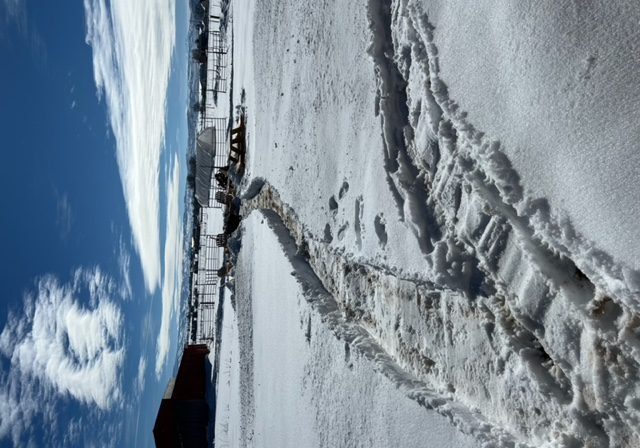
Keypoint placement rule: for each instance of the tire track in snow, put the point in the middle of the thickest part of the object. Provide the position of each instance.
(441, 166)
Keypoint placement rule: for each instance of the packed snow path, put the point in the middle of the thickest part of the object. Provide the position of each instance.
(426, 237)
(346, 294)
(311, 378)
(442, 347)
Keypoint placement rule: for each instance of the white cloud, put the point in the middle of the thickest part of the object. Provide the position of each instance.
(124, 261)
(59, 348)
(132, 45)
(173, 257)
(142, 368)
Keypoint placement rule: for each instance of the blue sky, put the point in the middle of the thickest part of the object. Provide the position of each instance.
(93, 100)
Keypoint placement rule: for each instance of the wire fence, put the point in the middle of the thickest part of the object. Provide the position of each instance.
(206, 287)
(206, 279)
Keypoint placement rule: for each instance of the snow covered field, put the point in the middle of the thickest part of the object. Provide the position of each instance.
(460, 186)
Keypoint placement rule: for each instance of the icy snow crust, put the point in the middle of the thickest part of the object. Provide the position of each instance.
(514, 316)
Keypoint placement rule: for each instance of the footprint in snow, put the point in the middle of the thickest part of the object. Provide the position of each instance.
(342, 230)
(344, 189)
(333, 204)
(358, 225)
(381, 230)
(328, 235)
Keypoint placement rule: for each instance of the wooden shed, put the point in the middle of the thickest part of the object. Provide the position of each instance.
(183, 416)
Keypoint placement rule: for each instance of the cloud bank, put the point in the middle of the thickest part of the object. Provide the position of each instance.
(60, 347)
(132, 44)
(173, 258)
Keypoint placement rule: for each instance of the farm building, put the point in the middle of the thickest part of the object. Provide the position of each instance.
(183, 417)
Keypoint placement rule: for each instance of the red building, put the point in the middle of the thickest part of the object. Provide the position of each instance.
(183, 416)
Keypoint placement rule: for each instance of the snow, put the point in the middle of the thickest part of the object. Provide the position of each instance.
(320, 140)
(435, 176)
(551, 82)
(309, 389)
(227, 417)
(544, 92)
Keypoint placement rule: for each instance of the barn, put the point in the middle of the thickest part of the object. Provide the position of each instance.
(183, 417)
